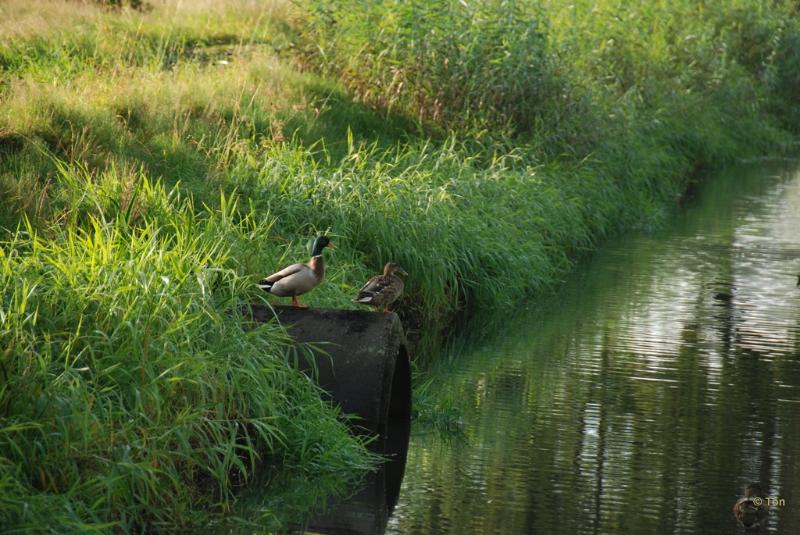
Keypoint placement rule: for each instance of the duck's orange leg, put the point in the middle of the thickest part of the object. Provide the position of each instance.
(386, 308)
(296, 303)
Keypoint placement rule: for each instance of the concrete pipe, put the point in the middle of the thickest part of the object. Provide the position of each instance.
(358, 357)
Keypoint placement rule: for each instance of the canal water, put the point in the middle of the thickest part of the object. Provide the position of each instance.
(662, 377)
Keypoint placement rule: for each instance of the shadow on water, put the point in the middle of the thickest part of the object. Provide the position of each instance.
(660, 380)
(367, 511)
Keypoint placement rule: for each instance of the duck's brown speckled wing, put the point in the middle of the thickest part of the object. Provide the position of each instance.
(380, 289)
(376, 284)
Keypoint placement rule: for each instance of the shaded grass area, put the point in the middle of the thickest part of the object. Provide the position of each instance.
(156, 164)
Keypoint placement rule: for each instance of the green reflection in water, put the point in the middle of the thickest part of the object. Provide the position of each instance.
(663, 377)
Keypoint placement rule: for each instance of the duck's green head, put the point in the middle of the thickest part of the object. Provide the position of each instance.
(319, 244)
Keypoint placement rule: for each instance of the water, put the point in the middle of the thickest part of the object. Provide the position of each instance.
(663, 377)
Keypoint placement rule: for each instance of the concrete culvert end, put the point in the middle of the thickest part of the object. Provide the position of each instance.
(360, 358)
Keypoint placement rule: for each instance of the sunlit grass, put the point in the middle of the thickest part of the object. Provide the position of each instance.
(131, 379)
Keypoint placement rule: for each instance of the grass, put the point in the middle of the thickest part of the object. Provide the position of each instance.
(156, 163)
(536, 68)
(135, 395)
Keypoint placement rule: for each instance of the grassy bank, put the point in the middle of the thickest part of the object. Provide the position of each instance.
(156, 163)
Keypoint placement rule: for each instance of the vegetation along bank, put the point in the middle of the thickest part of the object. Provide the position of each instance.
(157, 162)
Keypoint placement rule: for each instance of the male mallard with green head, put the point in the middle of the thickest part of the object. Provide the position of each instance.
(382, 290)
(750, 510)
(298, 279)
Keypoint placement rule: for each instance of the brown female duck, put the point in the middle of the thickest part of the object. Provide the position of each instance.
(750, 510)
(382, 290)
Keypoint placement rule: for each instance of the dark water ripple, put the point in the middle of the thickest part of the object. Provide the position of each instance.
(642, 398)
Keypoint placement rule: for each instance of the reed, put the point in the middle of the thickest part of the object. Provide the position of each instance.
(530, 67)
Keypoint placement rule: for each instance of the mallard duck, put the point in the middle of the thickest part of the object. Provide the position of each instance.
(382, 290)
(750, 510)
(298, 279)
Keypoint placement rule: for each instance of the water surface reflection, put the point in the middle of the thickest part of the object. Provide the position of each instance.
(367, 510)
(660, 380)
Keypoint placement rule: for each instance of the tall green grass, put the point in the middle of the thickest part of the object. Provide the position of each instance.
(542, 68)
(452, 62)
(134, 394)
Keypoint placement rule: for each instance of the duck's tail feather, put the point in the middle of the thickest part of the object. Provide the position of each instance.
(265, 285)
